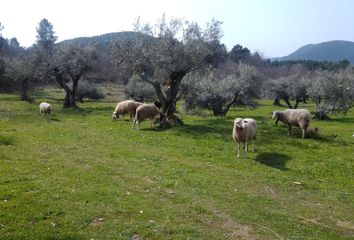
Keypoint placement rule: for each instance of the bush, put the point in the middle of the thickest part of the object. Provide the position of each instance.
(139, 90)
(88, 90)
(333, 92)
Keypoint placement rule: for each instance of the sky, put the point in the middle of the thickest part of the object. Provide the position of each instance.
(273, 28)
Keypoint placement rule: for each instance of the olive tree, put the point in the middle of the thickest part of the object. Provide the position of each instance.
(219, 89)
(164, 53)
(21, 69)
(69, 64)
(288, 88)
(333, 92)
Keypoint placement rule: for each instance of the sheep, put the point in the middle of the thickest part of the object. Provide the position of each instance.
(244, 130)
(124, 107)
(147, 111)
(293, 117)
(45, 109)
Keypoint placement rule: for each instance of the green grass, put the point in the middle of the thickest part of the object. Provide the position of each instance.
(83, 176)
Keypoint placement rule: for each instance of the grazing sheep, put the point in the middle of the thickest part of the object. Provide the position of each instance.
(245, 130)
(294, 117)
(45, 109)
(124, 107)
(147, 111)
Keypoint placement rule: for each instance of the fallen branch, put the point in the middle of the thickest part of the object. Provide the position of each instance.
(317, 223)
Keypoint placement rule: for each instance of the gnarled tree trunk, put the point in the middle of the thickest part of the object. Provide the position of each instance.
(168, 101)
(217, 109)
(297, 101)
(321, 115)
(287, 101)
(277, 102)
(70, 99)
(24, 87)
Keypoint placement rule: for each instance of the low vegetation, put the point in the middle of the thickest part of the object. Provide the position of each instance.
(83, 176)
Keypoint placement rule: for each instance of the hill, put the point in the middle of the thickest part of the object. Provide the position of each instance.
(332, 51)
(102, 39)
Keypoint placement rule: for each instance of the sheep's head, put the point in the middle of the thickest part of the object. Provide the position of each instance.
(240, 123)
(115, 116)
(158, 118)
(157, 104)
(276, 114)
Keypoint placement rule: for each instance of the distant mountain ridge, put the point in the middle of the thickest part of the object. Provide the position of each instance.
(332, 51)
(104, 38)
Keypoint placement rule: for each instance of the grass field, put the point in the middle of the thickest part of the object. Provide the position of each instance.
(82, 176)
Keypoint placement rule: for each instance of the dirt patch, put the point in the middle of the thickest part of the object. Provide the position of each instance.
(236, 230)
(345, 225)
(96, 222)
(136, 237)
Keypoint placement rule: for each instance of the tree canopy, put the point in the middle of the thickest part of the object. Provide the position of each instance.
(165, 52)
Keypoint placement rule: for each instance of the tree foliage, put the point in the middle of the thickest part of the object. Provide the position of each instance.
(45, 35)
(168, 50)
(89, 90)
(219, 89)
(333, 92)
(239, 53)
(139, 90)
(66, 63)
(20, 69)
(288, 88)
(69, 64)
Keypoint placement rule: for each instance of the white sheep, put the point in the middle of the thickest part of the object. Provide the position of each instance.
(244, 130)
(45, 109)
(124, 107)
(146, 111)
(294, 117)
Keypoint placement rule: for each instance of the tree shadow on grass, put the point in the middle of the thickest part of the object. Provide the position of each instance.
(344, 120)
(150, 129)
(207, 126)
(6, 140)
(54, 119)
(274, 160)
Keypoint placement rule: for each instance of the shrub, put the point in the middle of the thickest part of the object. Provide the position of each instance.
(333, 92)
(139, 90)
(88, 90)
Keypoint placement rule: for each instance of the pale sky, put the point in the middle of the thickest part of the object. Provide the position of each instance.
(272, 27)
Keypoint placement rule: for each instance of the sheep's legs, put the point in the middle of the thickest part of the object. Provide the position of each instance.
(134, 122)
(254, 149)
(303, 133)
(238, 150)
(246, 147)
(289, 130)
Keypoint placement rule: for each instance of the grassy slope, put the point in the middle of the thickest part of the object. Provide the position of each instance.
(82, 176)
